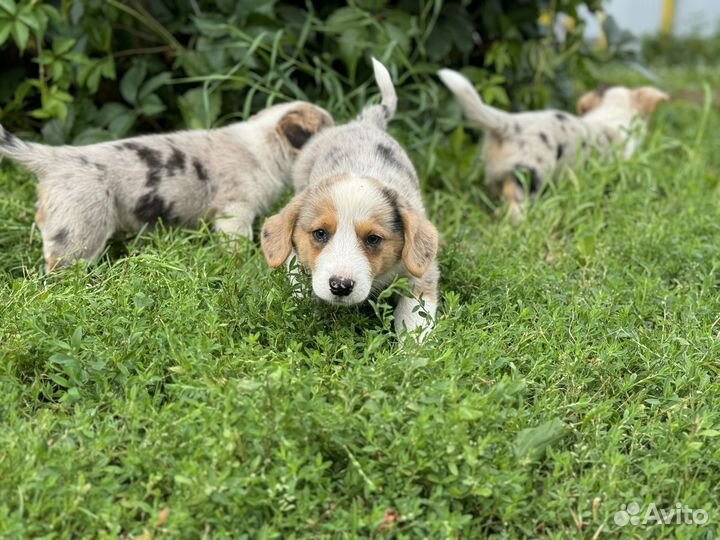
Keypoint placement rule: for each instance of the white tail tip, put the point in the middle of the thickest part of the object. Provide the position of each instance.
(455, 81)
(382, 75)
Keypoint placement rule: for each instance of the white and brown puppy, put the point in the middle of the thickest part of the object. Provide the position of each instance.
(534, 144)
(88, 193)
(358, 220)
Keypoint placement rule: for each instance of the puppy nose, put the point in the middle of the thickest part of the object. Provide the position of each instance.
(341, 286)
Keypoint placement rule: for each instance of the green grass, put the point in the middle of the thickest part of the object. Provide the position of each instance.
(574, 368)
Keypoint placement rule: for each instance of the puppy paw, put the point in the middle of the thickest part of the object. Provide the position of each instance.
(414, 319)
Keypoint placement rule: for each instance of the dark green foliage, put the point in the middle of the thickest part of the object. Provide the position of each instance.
(98, 69)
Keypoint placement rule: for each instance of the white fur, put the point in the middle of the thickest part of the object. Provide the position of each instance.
(343, 256)
(369, 161)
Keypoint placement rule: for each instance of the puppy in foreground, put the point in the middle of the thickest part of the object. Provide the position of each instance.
(534, 144)
(88, 193)
(358, 220)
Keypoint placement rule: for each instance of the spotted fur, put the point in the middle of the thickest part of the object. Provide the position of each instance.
(540, 142)
(88, 193)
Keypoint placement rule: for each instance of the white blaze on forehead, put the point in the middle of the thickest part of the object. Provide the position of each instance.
(355, 200)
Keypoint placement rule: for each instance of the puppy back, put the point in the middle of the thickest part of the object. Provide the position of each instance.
(380, 115)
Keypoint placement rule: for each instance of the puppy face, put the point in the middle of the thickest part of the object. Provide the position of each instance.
(641, 100)
(351, 233)
(302, 121)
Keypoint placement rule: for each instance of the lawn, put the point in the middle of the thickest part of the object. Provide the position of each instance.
(177, 390)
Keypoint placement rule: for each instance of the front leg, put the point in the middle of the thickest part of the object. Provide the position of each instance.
(235, 219)
(416, 315)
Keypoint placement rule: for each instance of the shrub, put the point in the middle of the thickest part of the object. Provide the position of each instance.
(99, 69)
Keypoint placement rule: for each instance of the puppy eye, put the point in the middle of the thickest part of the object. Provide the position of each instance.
(373, 240)
(320, 235)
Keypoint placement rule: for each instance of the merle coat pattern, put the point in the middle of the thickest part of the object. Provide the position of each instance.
(521, 150)
(88, 193)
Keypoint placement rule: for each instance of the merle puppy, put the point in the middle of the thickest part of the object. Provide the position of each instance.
(88, 193)
(536, 143)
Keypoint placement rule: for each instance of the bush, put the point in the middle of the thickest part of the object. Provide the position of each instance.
(86, 71)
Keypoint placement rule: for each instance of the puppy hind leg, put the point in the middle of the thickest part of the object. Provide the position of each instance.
(65, 243)
(514, 195)
(75, 228)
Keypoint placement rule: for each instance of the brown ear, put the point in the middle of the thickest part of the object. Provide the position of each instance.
(301, 123)
(421, 242)
(588, 102)
(646, 98)
(276, 236)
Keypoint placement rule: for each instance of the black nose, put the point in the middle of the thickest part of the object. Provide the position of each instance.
(341, 286)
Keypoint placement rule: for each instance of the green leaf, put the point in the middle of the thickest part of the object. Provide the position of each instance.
(69, 365)
(154, 83)
(199, 108)
(142, 301)
(469, 414)
(93, 135)
(76, 338)
(21, 33)
(26, 16)
(121, 124)
(349, 26)
(63, 45)
(109, 111)
(90, 73)
(151, 105)
(4, 32)
(130, 83)
(9, 6)
(531, 443)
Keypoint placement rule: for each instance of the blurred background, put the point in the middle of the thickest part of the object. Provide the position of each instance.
(86, 71)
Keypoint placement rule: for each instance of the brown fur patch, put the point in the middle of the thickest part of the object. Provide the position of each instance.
(320, 213)
(514, 196)
(388, 253)
(276, 235)
(647, 98)
(588, 102)
(421, 242)
(300, 124)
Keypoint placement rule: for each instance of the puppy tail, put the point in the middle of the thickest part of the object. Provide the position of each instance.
(10, 145)
(380, 115)
(18, 150)
(486, 117)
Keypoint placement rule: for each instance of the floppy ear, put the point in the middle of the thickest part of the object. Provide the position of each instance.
(276, 236)
(304, 121)
(588, 102)
(646, 98)
(421, 242)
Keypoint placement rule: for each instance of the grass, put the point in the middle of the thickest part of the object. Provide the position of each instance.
(574, 368)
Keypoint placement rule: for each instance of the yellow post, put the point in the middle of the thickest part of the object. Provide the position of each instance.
(668, 15)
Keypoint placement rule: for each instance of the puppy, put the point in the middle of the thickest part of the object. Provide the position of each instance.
(88, 193)
(534, 144)
(357, 220)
